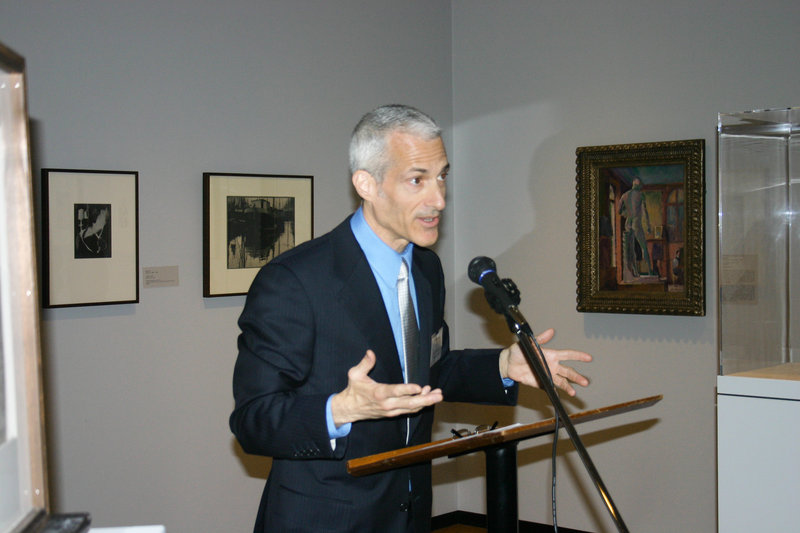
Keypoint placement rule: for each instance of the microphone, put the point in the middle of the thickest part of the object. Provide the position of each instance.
(501, 294)
(479, 268)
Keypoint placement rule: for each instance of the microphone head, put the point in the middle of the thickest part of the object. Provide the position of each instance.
(478, 267)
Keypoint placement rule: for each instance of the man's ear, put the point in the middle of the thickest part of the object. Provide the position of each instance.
(364, 184)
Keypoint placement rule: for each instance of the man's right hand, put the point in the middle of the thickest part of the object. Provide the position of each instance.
(365, 398)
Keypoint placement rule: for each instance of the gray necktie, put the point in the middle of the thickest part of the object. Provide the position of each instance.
(408, 320)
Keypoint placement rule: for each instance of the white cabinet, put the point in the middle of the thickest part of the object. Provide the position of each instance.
(758, 450)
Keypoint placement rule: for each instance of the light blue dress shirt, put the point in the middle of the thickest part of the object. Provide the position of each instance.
(385, 264)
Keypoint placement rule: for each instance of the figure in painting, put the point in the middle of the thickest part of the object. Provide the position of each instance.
(632, 207)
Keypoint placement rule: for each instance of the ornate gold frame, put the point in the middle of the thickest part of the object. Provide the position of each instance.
(616, 274)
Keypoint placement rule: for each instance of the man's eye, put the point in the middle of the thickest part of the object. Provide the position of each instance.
(442, 176)
(415, 181)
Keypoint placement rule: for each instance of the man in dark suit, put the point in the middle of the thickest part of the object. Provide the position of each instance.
(322, 376)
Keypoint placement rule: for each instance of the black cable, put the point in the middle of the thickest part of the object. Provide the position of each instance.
(555, 436)
(555, 447)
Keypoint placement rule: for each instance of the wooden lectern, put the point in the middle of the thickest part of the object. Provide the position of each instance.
(500, 447)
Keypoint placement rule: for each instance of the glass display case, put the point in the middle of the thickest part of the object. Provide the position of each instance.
(759, 245)
(758, 386)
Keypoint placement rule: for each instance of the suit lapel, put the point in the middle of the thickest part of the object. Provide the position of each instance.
(361, 298)
(424, 310)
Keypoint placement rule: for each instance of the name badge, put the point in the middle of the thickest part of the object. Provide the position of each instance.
(436, 346)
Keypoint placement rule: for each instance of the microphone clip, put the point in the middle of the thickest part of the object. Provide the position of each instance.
(512, 295)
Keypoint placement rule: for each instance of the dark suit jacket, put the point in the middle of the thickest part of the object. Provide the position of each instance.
(310, 315)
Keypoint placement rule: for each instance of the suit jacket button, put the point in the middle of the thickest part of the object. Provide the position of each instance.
(404, 507)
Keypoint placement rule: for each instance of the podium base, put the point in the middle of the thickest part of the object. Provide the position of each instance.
(468, 522)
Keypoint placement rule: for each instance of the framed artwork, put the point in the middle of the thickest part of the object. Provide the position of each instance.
(248, 219)
(90, 237)
(640, 212)
(23, 468)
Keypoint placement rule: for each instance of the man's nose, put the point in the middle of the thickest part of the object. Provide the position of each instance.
(436, 197)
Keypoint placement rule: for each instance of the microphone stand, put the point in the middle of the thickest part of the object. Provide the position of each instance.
(504, 299)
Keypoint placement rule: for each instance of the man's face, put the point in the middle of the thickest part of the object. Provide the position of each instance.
(406, 206)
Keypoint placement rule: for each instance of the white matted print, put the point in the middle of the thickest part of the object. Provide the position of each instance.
(90, 237)
(248, 220)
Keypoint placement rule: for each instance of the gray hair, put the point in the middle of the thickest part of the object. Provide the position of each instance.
(368, 142)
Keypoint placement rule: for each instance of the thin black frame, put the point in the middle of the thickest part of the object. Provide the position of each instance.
(122, 271)
(217, 280)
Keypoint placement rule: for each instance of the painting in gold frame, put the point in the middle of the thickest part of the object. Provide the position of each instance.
(640, 242)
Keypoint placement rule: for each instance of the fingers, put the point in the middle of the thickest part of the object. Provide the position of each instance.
(396, 403)
(403, 393)
(572, 375)
(565, 385)
(563, 376)
(565, 380)
(364, 398)
(400, 390)
(556, 357)
(363, 368)
(574, 355)
(367, 362)
(545, 336)
(562, 355)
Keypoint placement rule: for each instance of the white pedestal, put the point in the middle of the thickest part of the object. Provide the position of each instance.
(758, 450)
(129, 529)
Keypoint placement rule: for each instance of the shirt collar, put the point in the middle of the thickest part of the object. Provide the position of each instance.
(384, 260)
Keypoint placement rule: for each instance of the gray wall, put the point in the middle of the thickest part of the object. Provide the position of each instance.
(531, 82)
(138, 395)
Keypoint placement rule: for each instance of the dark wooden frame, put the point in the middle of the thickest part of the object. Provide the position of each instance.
(218, 278)
(674, 283)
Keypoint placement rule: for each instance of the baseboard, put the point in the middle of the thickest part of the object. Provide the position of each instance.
(467, 518)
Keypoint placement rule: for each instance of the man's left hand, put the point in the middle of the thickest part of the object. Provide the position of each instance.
(514, 365)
